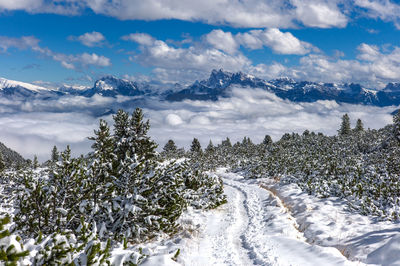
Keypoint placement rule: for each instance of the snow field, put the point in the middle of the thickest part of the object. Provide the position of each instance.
(328, 222)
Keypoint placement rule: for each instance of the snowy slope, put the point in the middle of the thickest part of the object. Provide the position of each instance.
(266, 222)
(254, 229)
(7, 83)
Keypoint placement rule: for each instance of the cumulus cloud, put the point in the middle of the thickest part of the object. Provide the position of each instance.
(63, 7)
(279, 42)
(218, 49)
(140, 38)
(242, 14)
(250, 14)
(320, 14)
(374, 67)
(222, 40)
(383, 9)
(90, 39)
(167, 59)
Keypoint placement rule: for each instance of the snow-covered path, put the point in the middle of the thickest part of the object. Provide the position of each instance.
(253, 228)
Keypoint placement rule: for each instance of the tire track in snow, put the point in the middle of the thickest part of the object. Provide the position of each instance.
(272, 236)
(220, 242)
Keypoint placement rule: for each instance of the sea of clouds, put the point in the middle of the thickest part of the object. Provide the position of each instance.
(33, 127)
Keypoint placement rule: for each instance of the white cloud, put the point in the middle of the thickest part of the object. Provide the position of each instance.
(218, 49)
(91, 39)
(250, 13)
(34, 127)
(383, 9)
(63, 7)
(255, 113)
(374, 67)
(195, 59)
(140, 38)
(279, 42)
(222, 40)
(67, 61)
(93, 59)
(319, 14)
(22, 43)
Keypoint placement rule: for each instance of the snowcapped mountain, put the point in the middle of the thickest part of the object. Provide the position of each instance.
(110, 86)
(17, 89)
(219, 84)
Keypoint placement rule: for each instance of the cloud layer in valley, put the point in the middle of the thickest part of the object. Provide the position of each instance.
(248, 112)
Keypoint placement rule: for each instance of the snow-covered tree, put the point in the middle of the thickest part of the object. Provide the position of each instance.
(267, 140)
(396, 128)
(139, 140)
(359, 126)
(170, 149)
(54, 154)
(11, 250)
(195, 147)
(345, 126)
(35, 162)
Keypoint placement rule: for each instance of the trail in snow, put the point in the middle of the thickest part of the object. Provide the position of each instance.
(254, 228)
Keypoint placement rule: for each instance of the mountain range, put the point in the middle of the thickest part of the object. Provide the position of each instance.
(219, 84)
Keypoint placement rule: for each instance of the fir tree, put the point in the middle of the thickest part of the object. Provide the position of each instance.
(227, 143)
(54, 154)
(345, 126)
(170, 149)
(267, 140)
(210, 149)
(35, 163)
(195, 148)
(101, 168)
(121, 127)
(143, 146)
(359, 126)
(396, 127)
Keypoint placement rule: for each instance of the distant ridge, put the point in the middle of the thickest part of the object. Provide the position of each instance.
(219, 84)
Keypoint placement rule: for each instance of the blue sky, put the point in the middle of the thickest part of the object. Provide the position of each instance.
(75, 42)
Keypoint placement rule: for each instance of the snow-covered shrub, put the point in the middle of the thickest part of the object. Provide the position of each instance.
(121, 189)
(11, 250)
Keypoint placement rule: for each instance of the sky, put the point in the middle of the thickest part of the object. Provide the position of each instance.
(51, 43)
(76, 42)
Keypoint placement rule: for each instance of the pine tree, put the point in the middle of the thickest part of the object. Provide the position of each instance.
(359, 126)
(35, 163)
(195, 148)
(54, 154)
(143, 146)
(210, 149)
(2, 164)
(170, 149)
(121, 127)
(396, 128)
(267, 140)
(227, 143)
(101, 168)
(345, 126)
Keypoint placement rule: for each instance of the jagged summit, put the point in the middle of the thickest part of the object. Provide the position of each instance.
(111, 86)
